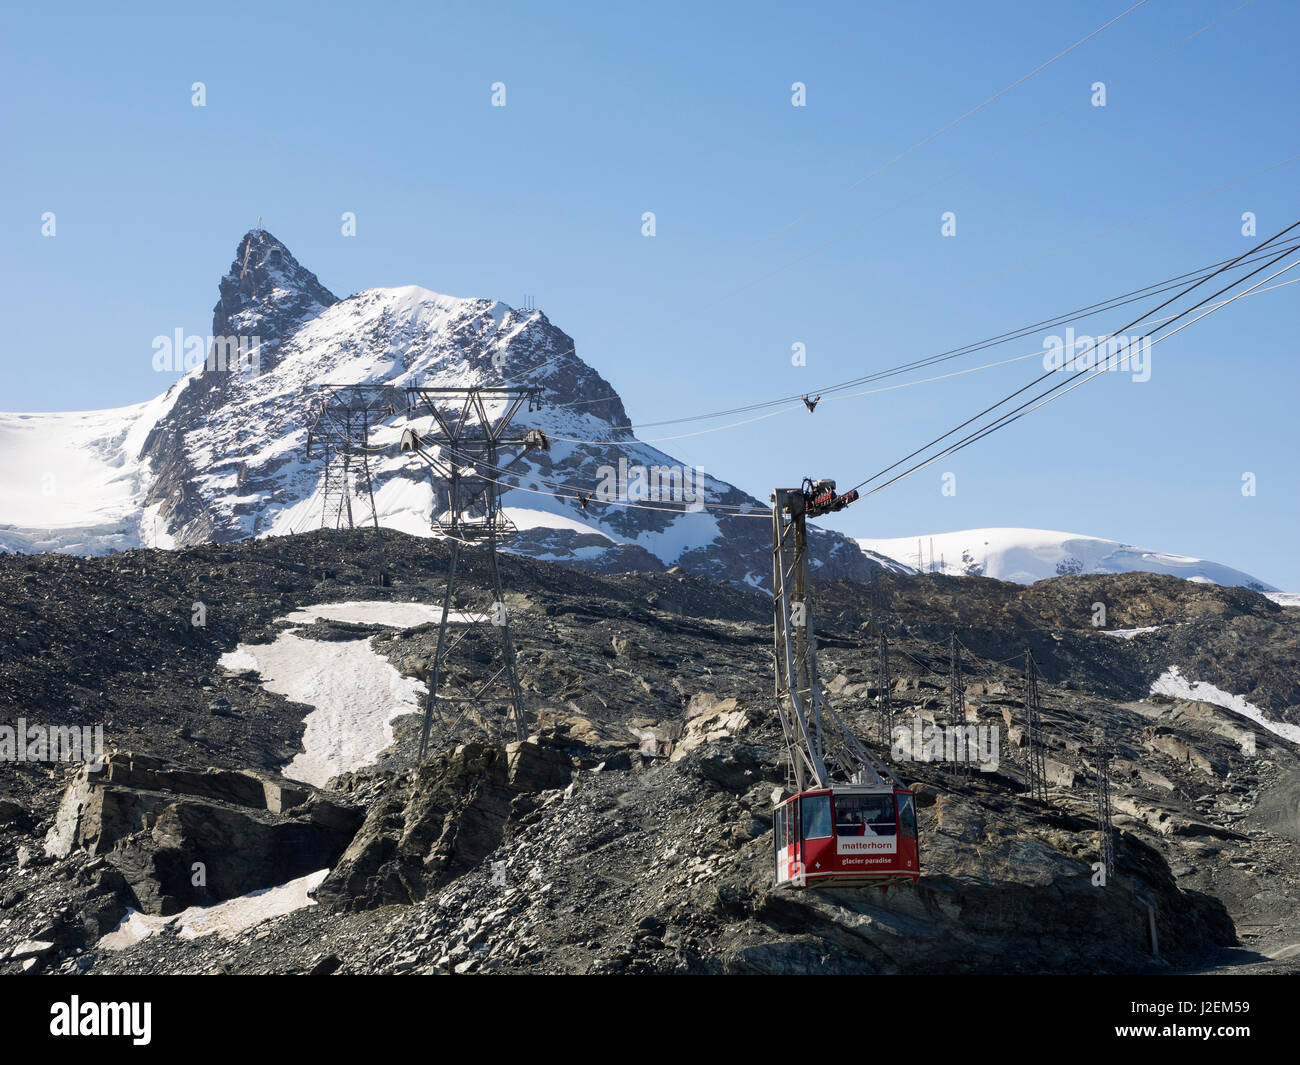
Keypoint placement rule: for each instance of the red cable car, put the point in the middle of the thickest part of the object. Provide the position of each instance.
(846, 836)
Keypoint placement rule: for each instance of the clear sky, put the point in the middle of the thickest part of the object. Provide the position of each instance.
(685, 110)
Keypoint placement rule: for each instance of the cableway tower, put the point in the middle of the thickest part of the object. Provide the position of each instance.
(850, 821)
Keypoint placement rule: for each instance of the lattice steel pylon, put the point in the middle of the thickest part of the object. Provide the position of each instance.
(1035, 764)
(344, 416)
(886, 696)
(821, 747)
(1101, 754)
(467, 448)
(957, 711)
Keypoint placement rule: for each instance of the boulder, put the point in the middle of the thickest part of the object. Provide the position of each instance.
(1058, 773)
(988, 689)
(1156, 780)
(708, 703)
(13, 813)
(1215, 719)
(722, 721)
(736, 767)
(534, 766)
(846, 689)
(30, 948)
(439, 822)
(165, 827)
(1163, 741)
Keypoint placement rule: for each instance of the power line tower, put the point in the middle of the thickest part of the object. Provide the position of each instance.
(886, 699)
(467, 448)
(876, 630)
(344, 417)
(957, 711)
(1101, 754)
(820, 745)
(1035, 765)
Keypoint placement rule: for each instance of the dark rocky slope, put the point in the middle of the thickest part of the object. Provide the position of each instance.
(576, 852)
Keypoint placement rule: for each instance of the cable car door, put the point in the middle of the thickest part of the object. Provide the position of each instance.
(785, 839)
(816, 835)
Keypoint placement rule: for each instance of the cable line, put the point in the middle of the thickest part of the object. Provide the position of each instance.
(1078, 377)
(828, 393)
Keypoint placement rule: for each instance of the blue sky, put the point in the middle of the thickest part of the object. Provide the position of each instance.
(685, 110)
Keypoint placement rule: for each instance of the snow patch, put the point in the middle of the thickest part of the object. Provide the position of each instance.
(354, 693)
(226, 919)
(238, 660)
(1174, 684)
(1128, 634)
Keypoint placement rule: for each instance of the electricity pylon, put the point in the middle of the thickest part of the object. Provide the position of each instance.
(1035, 765)
(1102, 752)
(467, 449)
(886, 696)
(344, 416)
(957, 712)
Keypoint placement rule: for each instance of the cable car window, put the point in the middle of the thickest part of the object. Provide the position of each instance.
(864, 815)
(907, 816)
(778, 828)
(816, 816)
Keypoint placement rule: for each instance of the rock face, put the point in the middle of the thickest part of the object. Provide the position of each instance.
(165, 827)
(1231, 637)
(265, 297)
(709, 720)
(439, 822)
(266, 294)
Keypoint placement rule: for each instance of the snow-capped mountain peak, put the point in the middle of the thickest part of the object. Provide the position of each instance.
(221, 455)
(223, 452)
(1028, 555)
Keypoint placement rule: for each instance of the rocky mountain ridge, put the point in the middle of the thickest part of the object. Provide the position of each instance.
(221, 456)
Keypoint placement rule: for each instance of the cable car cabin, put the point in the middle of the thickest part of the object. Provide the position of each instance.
(846, 836)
